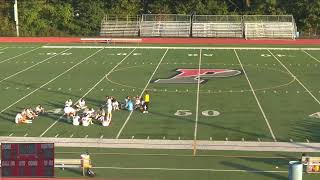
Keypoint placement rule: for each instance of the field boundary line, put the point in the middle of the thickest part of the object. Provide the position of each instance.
(95, 85)
(33, 65)
(169, 144)
(154, 72)
(256, 98)
(4, 48)
(309, 92)
(311, 56)
(197, 107)
(49, 81)
(180, 47)
(190, 169)
(20, 55)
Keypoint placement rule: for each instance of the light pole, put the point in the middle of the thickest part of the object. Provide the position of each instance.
(16, 19)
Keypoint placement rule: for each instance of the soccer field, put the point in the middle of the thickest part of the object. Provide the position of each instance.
(250, 94)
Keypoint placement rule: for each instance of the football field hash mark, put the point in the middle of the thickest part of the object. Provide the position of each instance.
(256, 98)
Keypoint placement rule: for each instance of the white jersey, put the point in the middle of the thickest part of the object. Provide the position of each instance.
(82, 103)
(68, 110)
(76, 120)
(109, 101)
(18, 118)
(68, 103)
(109, 108)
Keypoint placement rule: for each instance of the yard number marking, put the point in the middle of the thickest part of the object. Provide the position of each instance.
(208, 113)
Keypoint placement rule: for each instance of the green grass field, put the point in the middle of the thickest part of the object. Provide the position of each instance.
(270, 100)
(180, 164)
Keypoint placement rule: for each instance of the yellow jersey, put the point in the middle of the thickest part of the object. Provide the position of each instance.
(147, 98)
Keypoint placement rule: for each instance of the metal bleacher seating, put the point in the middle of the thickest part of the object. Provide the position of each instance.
(165, 26)
(120, 27)
(217, 26)
(276, 27)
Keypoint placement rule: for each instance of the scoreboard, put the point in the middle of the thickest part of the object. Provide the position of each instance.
(27, 159)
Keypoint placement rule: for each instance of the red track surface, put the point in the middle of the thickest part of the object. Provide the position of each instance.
(166, 40)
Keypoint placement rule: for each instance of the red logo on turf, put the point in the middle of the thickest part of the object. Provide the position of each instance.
(190, 76)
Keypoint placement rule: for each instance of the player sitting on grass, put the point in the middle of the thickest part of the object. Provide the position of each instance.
(39, 110)
(21, 119)
(86, 120)
(69, 112)
(30, 114)
(68, 103)
(137, 103)
(81, 105)
(129, 105)
(76, 120)
(115, 104)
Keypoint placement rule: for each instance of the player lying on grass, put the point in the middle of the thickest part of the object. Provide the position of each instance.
(27, 115)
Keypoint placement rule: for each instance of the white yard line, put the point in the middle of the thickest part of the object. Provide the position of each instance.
(295, 78)
(48, 82)
(89, 90)
(154, 72)
(191, 169)
(311, 56)
(19, 55)
(32, 66)
(3, 48)
(178, 47)
(256, 98)
(197, 107)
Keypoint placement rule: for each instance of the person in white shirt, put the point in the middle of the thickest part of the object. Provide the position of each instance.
(115, 104)
(39, 110)
(20, 119)
(68, 103)
(81, 104)
(76, 120)
(69, 111)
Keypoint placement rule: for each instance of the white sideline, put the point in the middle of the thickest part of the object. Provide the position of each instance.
(33, 65)
(124, 124)
(197, 106)
(295, 78)
(90, 89)
(48, 82)
(178, 47)
(190, 169)
(256, 98)
(20, 55)
(311, 56)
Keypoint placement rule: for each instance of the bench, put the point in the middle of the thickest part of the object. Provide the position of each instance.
(67, 163)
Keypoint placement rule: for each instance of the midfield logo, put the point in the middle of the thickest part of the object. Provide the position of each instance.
(190, 76)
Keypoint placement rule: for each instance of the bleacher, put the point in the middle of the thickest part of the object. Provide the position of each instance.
(228, 26)
(165, 26)
(120, 27)
(215, 26)
(270, 27)
(270, 30)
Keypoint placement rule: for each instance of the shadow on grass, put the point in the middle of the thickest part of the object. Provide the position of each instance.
(271, 175)
(210, 125)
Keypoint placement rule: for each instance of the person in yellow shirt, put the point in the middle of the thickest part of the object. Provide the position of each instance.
(146, 102)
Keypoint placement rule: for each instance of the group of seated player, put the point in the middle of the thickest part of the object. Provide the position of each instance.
(28, 114)
(139, 104)
(81, 114)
